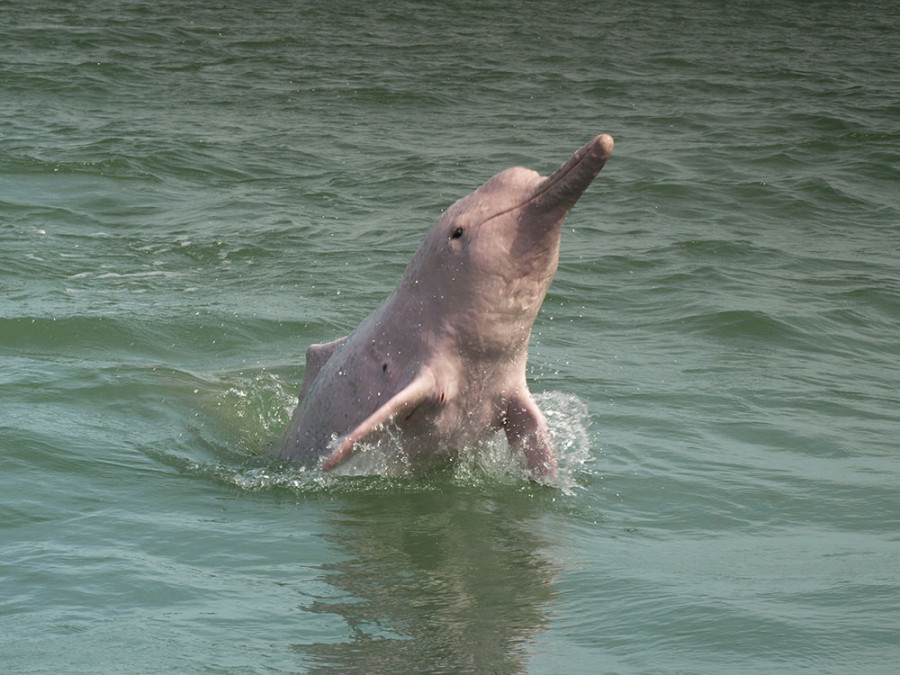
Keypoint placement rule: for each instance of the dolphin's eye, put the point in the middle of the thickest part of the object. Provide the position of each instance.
(457, 233)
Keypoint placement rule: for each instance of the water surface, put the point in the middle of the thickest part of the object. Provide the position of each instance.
(191, 194)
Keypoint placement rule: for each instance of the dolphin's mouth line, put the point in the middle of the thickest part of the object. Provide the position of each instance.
(555, 179)
(549, 183)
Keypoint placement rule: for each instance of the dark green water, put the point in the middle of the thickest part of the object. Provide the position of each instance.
(191, 193)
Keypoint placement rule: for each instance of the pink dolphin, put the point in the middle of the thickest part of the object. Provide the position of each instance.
(442, 359)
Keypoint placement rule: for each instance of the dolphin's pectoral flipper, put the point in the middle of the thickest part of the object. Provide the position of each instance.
(316, 356)
(419, 391)
(526, 431)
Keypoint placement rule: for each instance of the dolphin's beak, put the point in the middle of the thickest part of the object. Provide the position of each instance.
(561, 190)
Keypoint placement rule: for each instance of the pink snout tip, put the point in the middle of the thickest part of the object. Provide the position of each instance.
(601, 146)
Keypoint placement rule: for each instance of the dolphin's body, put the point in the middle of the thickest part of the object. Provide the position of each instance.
(443, 357)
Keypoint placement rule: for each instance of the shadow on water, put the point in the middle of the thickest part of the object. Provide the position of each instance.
(445, 580)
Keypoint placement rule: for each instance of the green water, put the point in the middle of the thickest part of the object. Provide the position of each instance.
(192, 193)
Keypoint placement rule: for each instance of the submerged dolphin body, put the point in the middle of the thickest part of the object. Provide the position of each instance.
(443, 357)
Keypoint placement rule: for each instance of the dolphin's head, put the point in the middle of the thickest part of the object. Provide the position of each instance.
(486, 264)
